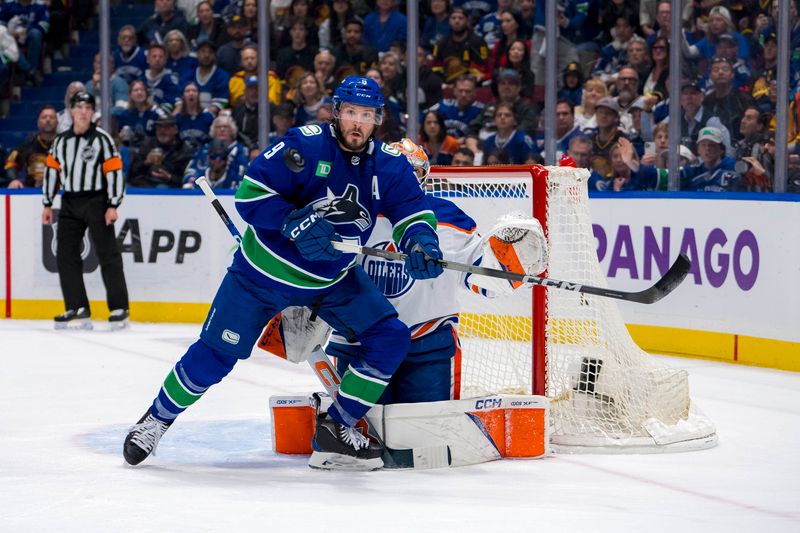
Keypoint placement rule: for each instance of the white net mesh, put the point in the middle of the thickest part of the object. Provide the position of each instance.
(605, 391)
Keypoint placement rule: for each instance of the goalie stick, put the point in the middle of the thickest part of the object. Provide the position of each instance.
(674, 276)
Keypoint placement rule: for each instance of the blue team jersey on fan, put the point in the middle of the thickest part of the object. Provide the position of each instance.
(348, 189)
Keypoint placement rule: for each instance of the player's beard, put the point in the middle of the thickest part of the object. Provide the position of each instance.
(347, 145)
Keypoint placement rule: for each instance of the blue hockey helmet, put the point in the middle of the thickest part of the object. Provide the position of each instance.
(361, 91)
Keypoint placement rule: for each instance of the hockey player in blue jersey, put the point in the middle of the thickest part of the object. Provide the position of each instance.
(319, 183)
(430, 308)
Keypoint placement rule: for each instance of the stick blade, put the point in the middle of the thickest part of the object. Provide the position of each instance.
(668, 283)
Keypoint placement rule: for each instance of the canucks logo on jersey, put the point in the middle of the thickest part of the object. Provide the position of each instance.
(389, 276)
(344, 209)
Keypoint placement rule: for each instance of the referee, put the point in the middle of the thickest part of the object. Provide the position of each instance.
(84, 162)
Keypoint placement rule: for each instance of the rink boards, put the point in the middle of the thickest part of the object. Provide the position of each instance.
(741, 302)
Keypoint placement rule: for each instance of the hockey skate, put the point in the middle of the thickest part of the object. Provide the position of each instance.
(338, 447)
(143, 439)
(73, 319)
(118, 319)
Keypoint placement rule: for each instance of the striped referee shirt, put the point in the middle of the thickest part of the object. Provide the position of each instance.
(84, 163)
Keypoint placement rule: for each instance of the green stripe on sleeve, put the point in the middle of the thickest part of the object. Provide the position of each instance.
(252, 190)
(401, 227)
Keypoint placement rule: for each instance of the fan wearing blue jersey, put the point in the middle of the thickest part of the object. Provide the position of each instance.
(430, 308)
(317, 185)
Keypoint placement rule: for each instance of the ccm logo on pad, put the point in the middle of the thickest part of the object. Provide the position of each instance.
(231, 337)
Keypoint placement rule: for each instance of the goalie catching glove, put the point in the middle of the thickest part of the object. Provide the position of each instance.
(516, 243)
(312, 235)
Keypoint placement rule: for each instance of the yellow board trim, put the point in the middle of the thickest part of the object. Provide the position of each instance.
(756, 351)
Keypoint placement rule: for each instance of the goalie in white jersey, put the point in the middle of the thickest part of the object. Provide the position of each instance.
(431, 370)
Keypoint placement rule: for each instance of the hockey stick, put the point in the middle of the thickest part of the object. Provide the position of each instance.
(206, 188)
(674, 276)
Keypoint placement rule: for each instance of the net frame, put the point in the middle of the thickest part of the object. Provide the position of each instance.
(572, 434)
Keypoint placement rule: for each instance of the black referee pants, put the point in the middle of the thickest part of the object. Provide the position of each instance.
(79, 212)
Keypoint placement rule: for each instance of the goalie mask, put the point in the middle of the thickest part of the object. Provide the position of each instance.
(416, 156)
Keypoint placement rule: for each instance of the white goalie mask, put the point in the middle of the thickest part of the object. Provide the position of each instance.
(416, 156)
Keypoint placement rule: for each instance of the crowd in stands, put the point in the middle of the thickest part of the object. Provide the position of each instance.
(185, 83)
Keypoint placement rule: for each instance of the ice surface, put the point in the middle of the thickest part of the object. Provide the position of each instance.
(67, 399)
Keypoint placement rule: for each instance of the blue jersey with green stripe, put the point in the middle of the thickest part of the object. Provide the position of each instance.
(348, 189)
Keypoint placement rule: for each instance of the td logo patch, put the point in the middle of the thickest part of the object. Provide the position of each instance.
(323, 169)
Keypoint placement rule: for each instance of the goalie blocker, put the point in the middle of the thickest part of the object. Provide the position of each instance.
(431, 434)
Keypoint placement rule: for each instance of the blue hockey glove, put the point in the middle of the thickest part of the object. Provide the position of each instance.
(312, 235)
(423, 249)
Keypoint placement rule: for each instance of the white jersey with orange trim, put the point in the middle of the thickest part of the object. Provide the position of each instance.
(424, 305)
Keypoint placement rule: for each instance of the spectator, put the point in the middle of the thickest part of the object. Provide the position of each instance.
(249, 13)
(434, 139)
(565, 129)
(194, 122)
(663, 17)
(119, 88)
(714, 171)
(508, 91)
(728, 47)
(611, 11)
(64, 116)
(25, 165)
(719, 23)
(324, 64)
(628, 174)
(527, 9)
(768, 71)
(655, 88)
(510, 27)
(162, 84)
(223, 161)
(394, 83)
(167, 17)
(9, 54)
(605, 136)
(28, 22)
(437, 25)
(498, 157)
(162, 159)
(517, 57)
(228, 54)
(723, 100)
(578, 27)
(352, 54)
(211, 81)
(593, 91)
(696, 116)
(461, 52)
(656, 152)
(757, 169)
(129, 58)
(208, 27)
(458, 112)
(572, 84)
(249, 63)
(627, 89)
(463, 157)
(332, 30)
(282, 120)
(308, 97)
(390, 129)
(753, 130)
(580, 150)
(517, 144)
(298, 56)
(245, 114)
(298, 10)
(189, 9)
(639, 58)
(615, 54)
(178, 59)
(137, 123)
(384, 26)
(488, 27)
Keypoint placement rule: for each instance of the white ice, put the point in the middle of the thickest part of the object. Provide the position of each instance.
(67, 399)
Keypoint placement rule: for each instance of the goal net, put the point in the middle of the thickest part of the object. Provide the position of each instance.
(606, 393)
